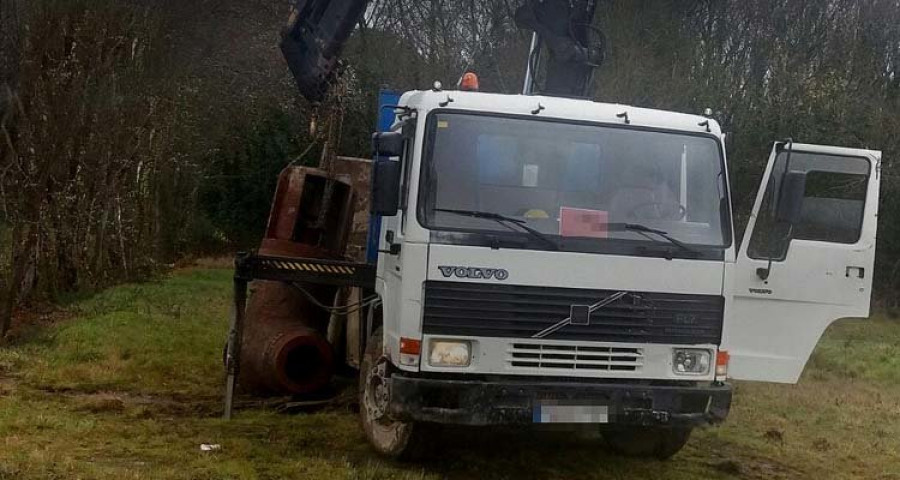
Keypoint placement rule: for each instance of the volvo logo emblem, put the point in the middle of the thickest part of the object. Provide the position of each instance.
(474, 272)
(581, 314)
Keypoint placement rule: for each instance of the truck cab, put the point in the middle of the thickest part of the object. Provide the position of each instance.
(554, 260)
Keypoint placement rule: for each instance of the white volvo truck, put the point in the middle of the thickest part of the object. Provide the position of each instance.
(549, 260)
(545, 259)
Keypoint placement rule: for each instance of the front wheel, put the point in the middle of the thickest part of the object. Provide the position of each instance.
(647, 442)
(390, 437)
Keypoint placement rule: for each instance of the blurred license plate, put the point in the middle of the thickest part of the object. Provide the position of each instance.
(553, 413)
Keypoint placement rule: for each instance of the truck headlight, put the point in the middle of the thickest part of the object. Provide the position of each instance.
(449, 353)
(690, 361)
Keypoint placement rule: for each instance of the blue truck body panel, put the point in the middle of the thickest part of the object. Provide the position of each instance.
(385, 120)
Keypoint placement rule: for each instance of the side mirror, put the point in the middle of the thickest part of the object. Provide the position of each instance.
(385, 188)
(790, 198)
(388, 144)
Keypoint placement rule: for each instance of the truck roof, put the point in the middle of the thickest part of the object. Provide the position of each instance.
(559, 108)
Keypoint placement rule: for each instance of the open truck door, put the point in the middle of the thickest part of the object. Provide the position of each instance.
(806, 259)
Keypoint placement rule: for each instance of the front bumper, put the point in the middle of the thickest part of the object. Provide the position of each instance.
(484, 402)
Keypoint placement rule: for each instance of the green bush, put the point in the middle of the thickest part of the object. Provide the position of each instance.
(241, 177)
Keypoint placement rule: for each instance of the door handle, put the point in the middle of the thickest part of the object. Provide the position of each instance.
(856, 272)
(393, 248)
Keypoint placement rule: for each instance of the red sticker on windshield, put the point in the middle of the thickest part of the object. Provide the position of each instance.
(580, 222)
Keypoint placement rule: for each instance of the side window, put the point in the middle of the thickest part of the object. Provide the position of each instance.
(832, 209)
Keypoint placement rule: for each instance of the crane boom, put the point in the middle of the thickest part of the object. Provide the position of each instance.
(313, 39)
(318, 29)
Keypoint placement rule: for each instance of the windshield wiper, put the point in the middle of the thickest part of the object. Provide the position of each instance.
(645, 230)
(504, 220)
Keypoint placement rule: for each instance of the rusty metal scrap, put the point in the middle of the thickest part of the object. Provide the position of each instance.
(285, 348)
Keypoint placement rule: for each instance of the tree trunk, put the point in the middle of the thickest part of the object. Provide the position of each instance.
(10, 49)
(20, 276)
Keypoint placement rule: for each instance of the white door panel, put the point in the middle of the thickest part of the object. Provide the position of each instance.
(390, 283)
(773, 324)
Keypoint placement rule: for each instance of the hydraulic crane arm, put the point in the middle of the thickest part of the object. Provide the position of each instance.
(313, 39)
(318, 30)
(575, 47)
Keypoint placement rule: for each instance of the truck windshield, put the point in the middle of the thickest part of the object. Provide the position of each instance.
(584, 186)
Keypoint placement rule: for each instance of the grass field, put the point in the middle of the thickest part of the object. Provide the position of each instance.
(127, 385)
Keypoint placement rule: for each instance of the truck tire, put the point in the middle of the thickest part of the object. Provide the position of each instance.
(647, 442)
(389, 437)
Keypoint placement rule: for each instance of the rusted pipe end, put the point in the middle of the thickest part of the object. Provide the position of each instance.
(285, 350)
(301, 361)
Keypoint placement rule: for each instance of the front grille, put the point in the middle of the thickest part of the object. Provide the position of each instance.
(573, 357)
(515, 311)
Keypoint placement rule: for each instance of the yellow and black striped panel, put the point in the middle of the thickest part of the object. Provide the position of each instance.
(301, 266)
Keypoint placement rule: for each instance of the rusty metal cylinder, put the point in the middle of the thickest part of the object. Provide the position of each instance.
(284, 348)
(284, 351)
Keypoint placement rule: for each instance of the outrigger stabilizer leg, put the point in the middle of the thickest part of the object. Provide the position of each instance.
(235, 340)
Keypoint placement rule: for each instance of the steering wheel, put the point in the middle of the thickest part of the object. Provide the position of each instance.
(658, 211)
